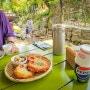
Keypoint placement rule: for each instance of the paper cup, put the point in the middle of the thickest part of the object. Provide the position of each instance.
(7, 48)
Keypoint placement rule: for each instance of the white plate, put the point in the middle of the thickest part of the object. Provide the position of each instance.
(2, 53)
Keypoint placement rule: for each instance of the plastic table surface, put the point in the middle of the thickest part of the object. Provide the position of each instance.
(59, 78)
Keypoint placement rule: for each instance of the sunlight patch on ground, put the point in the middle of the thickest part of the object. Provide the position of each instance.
(50, 42)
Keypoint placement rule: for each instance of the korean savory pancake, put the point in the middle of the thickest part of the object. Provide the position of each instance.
(38, 64)
(21, 72)
(33, 56)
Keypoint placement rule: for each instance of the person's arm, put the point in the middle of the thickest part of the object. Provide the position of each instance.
(11, 40)
(6, 27)
(8, 33)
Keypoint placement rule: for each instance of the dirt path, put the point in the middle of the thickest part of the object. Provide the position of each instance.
(21, 37)
(36, 36)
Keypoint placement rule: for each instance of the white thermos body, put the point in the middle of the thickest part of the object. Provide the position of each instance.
(58, 40)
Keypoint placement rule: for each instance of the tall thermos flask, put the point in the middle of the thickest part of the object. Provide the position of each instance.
(58, 39)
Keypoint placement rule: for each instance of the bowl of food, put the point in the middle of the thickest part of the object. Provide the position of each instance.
(19, 59)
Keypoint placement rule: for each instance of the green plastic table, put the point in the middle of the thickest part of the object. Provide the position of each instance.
(59, 78)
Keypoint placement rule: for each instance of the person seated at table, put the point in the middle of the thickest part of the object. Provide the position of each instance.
(7, 35)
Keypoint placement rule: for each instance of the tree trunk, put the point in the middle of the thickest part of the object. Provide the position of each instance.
(61, 11)
(84, 10)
